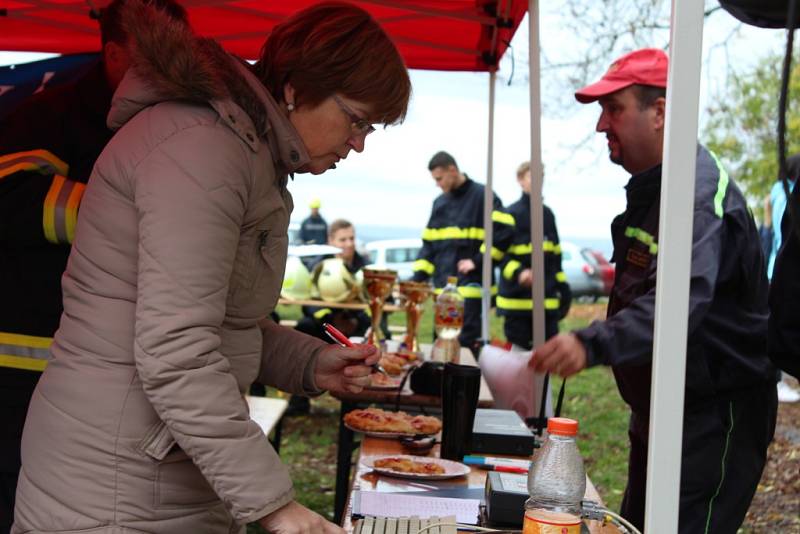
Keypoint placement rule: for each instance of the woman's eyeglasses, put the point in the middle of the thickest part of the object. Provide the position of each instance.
(357, 124)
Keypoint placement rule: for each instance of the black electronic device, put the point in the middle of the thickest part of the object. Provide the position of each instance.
(505, 495)
(501, 432)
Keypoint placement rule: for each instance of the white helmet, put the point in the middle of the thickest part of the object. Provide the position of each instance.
(296, 280)
(333, 282)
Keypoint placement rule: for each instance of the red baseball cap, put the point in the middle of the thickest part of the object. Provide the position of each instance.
(647, 66)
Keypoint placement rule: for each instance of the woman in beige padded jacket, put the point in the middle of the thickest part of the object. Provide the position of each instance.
(138, 423)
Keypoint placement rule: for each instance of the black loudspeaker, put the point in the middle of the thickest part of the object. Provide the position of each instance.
(427, 379)
(762, 13)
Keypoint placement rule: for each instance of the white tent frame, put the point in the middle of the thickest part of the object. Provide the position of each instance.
(674, 258)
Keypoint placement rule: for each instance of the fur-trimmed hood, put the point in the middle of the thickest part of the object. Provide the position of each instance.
(170, 62)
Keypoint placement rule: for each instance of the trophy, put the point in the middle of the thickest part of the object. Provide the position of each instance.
(414, 294)
(378, 283)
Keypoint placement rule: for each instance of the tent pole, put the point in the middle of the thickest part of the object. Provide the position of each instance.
(674, 268)
(537, 181)
(488, 207)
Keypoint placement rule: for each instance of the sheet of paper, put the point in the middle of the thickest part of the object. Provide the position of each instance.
(400, 505)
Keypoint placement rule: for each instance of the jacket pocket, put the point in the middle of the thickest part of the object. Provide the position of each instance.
(157, 442)
(270, 266)
(179, 483)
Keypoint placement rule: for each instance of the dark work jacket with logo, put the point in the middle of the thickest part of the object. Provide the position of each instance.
(727, 331)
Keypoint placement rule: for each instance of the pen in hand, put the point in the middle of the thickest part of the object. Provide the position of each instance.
(342, 340)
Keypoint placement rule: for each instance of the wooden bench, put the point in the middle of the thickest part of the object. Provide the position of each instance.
(268, 412)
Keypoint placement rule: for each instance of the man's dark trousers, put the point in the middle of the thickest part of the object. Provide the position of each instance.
(724, 452)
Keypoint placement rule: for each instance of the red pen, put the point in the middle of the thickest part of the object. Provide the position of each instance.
(336, 335)
(504, 468)
(342, 339)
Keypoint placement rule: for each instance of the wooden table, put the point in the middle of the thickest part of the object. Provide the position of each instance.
(340, 305)
(366, 479)
(268, 412)
(405, 399)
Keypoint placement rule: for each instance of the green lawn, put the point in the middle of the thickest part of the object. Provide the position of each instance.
(309, 442)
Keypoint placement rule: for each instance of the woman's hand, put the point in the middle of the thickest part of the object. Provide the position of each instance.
(345, 369)
(295, 518)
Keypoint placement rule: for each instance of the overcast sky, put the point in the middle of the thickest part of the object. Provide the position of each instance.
(389, 183)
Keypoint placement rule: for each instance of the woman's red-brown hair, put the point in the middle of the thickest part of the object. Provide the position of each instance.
(334, 47)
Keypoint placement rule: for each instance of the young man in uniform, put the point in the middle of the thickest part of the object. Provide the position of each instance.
(48, 146)
(341, 234)
(514, 300)
(730, 401)
(452, 242)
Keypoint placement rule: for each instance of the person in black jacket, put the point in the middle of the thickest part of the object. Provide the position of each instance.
(452, 242)
(314, 229)
(784, 297)
(48, 146)
(730, 401)
(514, 300)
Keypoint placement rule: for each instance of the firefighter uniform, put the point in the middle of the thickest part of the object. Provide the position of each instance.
(455, 232)
(48, 146)
(730, 399)
(514, 300)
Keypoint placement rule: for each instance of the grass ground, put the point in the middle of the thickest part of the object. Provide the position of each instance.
(309, 442)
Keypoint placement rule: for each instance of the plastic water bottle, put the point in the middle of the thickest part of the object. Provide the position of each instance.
(556, 483)
(448, 320)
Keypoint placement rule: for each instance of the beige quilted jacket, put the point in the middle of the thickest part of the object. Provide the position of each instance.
(138, 424)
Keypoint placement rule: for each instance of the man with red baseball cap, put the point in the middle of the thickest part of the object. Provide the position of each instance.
(730, 400)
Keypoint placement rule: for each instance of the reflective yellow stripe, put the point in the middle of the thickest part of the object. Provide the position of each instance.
(424, 266)
(497, 254)
(503, 218)
(49, 211)
(60, 211)
(320, 314)
(40, 161)
(722, 186)
(71, 209)
(21, 362)
(643, 237)
(527, 248)
(452, 232)
(561, 277)
(506, 303)
(510, 268)
(469, 292)
(24, 352)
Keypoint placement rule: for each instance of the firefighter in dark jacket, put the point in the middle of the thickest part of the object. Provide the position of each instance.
(730, 400)
(314, 229)
(452, 242)
(514, 301)
(48, 146)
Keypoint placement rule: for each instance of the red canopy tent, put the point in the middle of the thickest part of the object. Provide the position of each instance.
(465, 35)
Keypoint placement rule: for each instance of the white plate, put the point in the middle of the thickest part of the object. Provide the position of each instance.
(389, 435)
(451, 469)
(386, 387)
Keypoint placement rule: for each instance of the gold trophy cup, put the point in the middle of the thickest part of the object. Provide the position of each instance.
(414, 294)
(378, 283)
